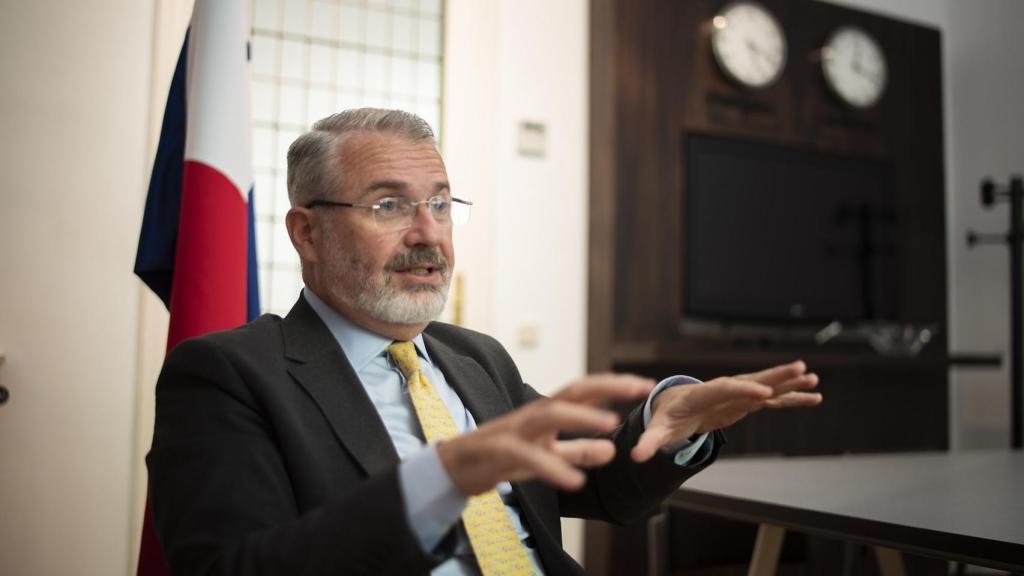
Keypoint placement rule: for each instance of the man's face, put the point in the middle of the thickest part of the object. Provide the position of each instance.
(378, 276)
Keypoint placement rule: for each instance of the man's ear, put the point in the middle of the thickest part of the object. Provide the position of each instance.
(303, 233)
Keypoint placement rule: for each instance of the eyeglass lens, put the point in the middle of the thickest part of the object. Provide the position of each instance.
(400, 212)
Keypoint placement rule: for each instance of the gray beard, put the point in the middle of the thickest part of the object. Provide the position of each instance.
(388, 304)
(377, 297)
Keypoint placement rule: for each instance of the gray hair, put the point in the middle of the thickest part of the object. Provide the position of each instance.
(313, 164)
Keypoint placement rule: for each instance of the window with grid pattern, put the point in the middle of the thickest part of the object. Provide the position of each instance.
(311, 58)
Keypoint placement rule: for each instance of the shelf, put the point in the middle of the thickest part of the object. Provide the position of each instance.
(978, 359)
(694, 354)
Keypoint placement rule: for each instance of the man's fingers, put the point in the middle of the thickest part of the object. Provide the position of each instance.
(549, 416)
(795, 400)
(532, 461)
(600, 388)
(777, 374)
(585, 452)
(648, 444)
(804, 382)
(721, 390)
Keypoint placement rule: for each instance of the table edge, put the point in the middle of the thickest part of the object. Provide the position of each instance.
(974, 550)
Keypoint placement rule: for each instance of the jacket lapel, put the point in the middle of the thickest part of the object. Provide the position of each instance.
(481, 395)
(322, 370)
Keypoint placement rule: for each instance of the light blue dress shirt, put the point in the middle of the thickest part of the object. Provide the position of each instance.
(433, 503)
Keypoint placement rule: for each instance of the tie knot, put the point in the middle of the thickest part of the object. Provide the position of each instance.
(404, 355)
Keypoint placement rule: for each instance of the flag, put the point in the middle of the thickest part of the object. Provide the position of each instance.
(197, 247)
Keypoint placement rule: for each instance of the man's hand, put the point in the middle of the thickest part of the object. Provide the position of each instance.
(524, 444)
(682, 411)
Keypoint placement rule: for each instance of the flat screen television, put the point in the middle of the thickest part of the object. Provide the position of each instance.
(774, 234)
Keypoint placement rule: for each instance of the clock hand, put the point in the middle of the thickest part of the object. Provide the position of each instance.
(871, 76)
(761, 52)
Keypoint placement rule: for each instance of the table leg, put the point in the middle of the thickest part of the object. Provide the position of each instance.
(767, 547)
(657, 544)
(890, 562)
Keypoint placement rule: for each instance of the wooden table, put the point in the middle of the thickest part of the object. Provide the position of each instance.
(966, 506)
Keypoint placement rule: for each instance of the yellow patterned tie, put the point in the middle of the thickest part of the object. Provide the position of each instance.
(495, 544)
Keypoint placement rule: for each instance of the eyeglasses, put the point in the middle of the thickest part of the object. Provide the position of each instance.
(396, 212)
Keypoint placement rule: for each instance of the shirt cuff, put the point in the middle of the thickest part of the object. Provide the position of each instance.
(685, 450)
(432, 502)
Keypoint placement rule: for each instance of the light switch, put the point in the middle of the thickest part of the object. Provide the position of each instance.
(532, 139)
(529, 334)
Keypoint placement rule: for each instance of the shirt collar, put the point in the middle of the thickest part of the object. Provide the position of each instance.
(360, 345)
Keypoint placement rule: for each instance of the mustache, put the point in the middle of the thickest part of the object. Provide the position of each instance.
(419, 255)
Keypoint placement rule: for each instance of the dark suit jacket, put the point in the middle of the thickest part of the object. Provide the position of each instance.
(269, 458)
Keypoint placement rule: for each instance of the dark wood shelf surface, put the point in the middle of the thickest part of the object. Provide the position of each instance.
(689, 354)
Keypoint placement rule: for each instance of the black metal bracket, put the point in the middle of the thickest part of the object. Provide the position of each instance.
(5, 394)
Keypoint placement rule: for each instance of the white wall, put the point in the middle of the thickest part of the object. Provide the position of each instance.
(170, 21)
(73, 150)
(469, 148)
(985, 55)
(524, 255)
(934, 13)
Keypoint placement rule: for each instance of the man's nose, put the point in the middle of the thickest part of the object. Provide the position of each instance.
(424, 228)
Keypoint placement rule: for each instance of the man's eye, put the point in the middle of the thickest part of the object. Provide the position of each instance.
(440, 205)
(387, 205)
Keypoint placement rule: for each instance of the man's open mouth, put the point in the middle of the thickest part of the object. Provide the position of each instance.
(420, 270)
(419, 262)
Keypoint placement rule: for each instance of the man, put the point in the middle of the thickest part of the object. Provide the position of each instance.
(357, 436)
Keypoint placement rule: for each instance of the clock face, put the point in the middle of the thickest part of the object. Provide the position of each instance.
(749, 44)
(854, 67)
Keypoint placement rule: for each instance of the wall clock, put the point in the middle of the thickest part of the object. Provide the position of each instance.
(749, 44)
(854, 67)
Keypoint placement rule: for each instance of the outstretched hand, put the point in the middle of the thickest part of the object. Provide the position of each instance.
(524, 444)
(682, 411)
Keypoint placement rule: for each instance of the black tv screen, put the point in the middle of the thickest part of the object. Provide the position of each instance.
(776, 234)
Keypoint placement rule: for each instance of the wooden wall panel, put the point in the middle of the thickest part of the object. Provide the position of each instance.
(668, 85)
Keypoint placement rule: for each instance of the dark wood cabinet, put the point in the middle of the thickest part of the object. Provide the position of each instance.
(654, 82)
